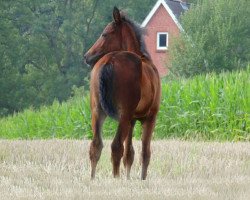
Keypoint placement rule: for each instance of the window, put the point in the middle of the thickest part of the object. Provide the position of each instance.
(162, 40)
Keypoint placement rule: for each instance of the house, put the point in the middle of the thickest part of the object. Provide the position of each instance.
(162, 25)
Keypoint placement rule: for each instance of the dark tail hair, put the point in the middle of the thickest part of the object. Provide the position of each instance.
(106, 90)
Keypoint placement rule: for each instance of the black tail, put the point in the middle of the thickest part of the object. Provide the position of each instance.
(106, 90)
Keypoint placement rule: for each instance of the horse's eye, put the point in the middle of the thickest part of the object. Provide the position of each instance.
(104, 35)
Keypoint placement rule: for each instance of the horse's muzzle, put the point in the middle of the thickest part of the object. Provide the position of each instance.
(86, 60)
(91, 60)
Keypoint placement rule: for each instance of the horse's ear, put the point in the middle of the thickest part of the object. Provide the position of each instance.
(116, 15)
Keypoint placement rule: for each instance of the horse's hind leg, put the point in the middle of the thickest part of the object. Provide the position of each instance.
(96, 145)
(148, 126)
(129, 152)
(117, 145)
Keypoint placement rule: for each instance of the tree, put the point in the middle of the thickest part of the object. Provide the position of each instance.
(216, 38)
(41, 48)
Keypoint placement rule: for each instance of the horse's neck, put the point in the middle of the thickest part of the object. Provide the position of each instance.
(131, 44)
(137, 50)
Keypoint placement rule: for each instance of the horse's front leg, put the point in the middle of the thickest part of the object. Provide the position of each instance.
(148, 127)
(98, 117)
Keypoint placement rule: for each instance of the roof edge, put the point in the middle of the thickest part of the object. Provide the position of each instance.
(155, 8)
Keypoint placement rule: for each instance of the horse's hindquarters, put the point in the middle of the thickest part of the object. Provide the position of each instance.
(116, 83)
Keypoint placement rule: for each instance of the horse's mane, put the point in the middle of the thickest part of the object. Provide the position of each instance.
(139, 33)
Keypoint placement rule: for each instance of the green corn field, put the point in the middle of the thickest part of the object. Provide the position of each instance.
(206, 107)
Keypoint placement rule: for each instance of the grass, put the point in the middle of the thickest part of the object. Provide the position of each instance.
(206, 107)
(60, 169)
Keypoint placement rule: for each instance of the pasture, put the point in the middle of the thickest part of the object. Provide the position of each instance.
(60, 169)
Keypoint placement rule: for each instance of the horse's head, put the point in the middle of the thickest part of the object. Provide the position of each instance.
(117, 35)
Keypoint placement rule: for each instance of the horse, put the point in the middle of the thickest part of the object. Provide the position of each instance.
(125, 86)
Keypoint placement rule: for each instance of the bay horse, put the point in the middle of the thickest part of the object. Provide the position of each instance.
(124, 85)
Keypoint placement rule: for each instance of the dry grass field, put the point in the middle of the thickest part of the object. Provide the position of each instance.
(59, 169)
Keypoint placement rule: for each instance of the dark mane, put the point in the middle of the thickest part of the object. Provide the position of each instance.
(139, 33)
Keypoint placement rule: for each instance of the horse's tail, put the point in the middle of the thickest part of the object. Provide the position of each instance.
(106, 87)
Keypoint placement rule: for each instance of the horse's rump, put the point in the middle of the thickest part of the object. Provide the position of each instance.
(119, 82)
